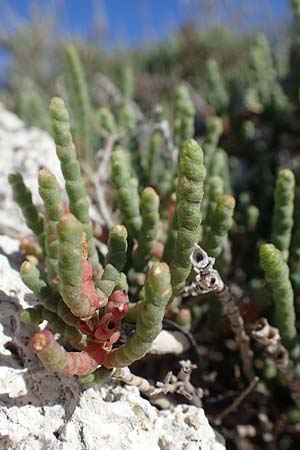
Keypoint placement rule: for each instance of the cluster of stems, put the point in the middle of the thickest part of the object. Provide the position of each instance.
(264, 92)
(85, 301)
(81, 300)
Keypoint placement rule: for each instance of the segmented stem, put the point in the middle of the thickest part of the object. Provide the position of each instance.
(55, 358)
(117, 247)
(50, 192)
(127, 190)
(277, 276)
(189, 196)
(220, 223)
(75, 186)
(149, 322)
(149, 229)
(283, 211)
(23, 197)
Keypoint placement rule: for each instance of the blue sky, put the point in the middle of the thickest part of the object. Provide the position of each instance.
(134, 22)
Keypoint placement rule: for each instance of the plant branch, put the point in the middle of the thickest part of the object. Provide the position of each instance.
(270, 339)
(209, 280)
(236, 403)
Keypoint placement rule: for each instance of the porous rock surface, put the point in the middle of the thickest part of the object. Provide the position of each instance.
(40, 410)
(25, 150)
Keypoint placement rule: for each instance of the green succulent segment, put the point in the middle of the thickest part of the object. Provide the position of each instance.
(126, 116)
(189, 196)
(149, 322)
(79, 98)
(71, 170)
(264, 91)
(277, 276)
(127, 191)
(214, 128)
(38, 314)
(50, 192)
(219, 166)
(127, 82)
(217, 96)
(55, 358)
(31, 108)
(134, 311)
(32, 316)
(109, 280)
(127, 121)
(283, 211)
(294, 257)
(107, 120)
(155, 147)
(149, 228)
(98, 377)
(117, 247)
(59, 326)
(215, 188)
(184, 116)
(122, 284)
(23, 197)
(70, 236)
(49, 299)
(220, 223)
(169, 246)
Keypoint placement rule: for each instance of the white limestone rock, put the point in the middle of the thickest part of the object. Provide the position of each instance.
(24, 150)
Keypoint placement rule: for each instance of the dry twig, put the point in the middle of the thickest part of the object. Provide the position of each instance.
(270, 338)
(100, 176)
(208, 280)
(179, 384)
(236, 403)
(126, 376)
(238, 327)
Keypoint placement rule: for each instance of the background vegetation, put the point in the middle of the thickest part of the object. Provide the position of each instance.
(237, 93)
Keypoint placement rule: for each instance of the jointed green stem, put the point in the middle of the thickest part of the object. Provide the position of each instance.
(49, 299)
(117, 247)
(189, 196)
(51, 194)
(149, 322)
(127, 191)
(23, 197)
(184, 116)
(283, 211)
(149, 229)
(71, 170)
(79, 97)
(220, 224)
(277, 276)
